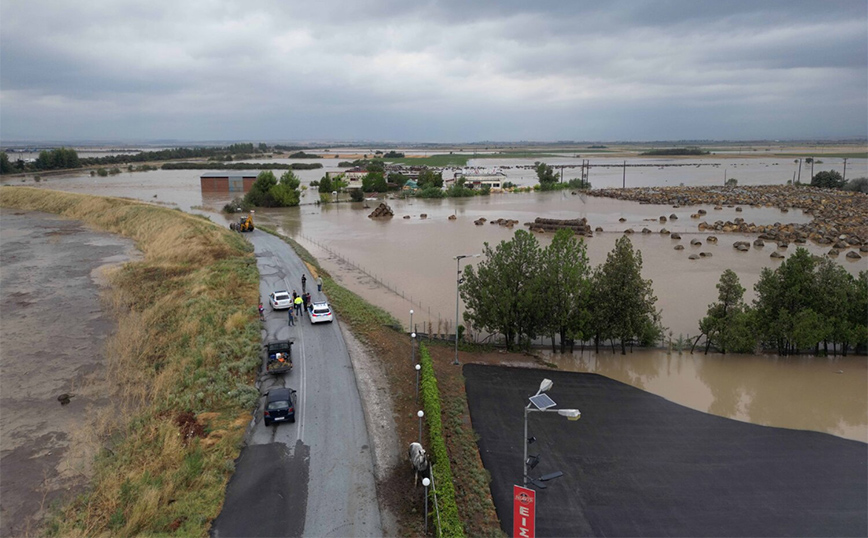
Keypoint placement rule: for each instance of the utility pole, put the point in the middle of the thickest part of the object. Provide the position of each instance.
(624, 178)
(812, 166)
(800, 171)
(845, 169)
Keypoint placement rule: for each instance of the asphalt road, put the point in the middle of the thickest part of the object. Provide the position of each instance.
(639, 465)
(313, 477)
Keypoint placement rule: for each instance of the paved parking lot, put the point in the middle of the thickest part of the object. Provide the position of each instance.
(639, 465)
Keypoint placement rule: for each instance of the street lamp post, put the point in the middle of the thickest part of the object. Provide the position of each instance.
(426, 482)
(457, 288)
(418, 367)
(420, 414)
(413, 346)
(543, 405)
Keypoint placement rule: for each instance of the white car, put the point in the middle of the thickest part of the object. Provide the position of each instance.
(280, 300)
(320, 313)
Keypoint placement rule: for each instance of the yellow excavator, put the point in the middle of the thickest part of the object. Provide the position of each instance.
(244, 224)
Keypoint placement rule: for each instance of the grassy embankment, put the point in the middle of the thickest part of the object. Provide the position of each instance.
(382, 334)
(183, 362)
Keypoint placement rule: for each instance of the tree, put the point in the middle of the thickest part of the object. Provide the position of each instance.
(259, 194)
(727, 324)
(356, 195)
(397, 178)
(827, 180)
(545, 173)
(780, 296)
(325, 184)
(376, 167)
(564, 285)
(5, 165)
(430, 178)
(859, 184)
(374, 182)
(499, 294)
(626, 302)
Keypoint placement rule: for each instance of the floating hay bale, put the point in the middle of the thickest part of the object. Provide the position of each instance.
(628, 231)
(622, 219)
(406, 216)
(673, 216)
(452, 217)
(759, 243)
(479, 222)
(741, 246)
(646, 231)
(738, 209)
(705, 254)
(679, 247)
(664, 231)
(675, 236)
(579, 226)
(694, 215)
(600, 229)
(423, 216)
(777, 255)
(833, 253)
(711, 239)
(783, 245)
(853, 255)
(693, 257)
(717, 207)
(662, 219)
(702, 212)
(695, 243)
(382, 211)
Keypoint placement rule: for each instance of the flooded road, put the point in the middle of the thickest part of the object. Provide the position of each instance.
(52, 330)
(402, 264)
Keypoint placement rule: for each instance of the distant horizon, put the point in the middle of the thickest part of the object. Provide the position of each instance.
(321, 143)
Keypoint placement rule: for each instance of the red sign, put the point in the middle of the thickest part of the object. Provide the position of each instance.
(523, 512)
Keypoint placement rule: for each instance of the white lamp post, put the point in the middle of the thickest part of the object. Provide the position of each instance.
(420, 414)
(418, 367)
(544, 405)
(413, 346)
(426, 482)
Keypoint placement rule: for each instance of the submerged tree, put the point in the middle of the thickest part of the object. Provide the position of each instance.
(268, 192)
(623, 302)
(499, 294)
(564, 289)
(727, 325)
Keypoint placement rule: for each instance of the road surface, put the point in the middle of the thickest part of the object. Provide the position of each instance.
(314, 477)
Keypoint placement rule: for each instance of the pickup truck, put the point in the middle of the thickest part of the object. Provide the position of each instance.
(278, 357)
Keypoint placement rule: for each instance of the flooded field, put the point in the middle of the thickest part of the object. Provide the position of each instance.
(402, 264)
(52, 331)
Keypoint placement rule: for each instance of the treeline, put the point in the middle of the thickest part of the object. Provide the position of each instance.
(807, 305)
(268, 191)
(676, 151)
(54, 159)
(522, 291)
(239, 166)
(303, 155)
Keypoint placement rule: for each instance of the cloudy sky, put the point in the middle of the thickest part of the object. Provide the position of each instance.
(422, 71)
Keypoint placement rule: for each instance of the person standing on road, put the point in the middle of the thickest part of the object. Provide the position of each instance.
(261, 312)
(319, 283)
(298, 303)
(303, 283)
(305, 300)
(291, 318)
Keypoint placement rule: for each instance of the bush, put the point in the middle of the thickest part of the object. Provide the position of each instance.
(237, 205)
(356, 195)
(450, 524)
(827, 180)
(102, 172)
(860, 184)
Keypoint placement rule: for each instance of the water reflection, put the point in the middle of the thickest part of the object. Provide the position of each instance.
(807, 393)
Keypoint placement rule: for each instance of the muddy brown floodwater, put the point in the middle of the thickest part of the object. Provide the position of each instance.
(52, 327)
(402, 264)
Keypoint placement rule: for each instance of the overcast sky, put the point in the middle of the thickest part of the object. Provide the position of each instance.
(416, 71)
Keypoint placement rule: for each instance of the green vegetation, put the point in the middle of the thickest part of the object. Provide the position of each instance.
(803, 304)
(522, 292)
(450, 524)
(676, 151)
(828, 180)
(184, 357)
(434, 160)
(303, 155)
(728, 323)
(268, 192)
(859, 184)
(848, 155)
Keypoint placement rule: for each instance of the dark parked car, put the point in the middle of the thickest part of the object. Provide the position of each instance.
(279, 406)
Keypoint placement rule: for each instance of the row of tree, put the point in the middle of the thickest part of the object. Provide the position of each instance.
(807, 304)
(522, 291)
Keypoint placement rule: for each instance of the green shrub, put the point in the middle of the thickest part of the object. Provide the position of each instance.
(450, 523)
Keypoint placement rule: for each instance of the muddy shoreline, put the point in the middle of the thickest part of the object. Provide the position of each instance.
(53, 323)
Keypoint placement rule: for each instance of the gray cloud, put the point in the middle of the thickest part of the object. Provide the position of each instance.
(433, 71)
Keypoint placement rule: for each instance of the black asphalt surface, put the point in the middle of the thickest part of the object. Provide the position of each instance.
(266, 481)
(313, 477)
(636, 464)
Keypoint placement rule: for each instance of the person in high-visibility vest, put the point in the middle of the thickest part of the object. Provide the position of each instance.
(298, 303)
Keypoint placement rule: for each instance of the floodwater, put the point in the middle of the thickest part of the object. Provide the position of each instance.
(402, 264)
(52, 332)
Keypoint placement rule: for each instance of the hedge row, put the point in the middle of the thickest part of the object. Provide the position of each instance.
(450, 524)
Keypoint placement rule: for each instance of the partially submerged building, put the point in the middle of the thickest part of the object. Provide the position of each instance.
(235, 181)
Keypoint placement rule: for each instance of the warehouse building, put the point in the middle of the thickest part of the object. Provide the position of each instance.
(228, 181)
